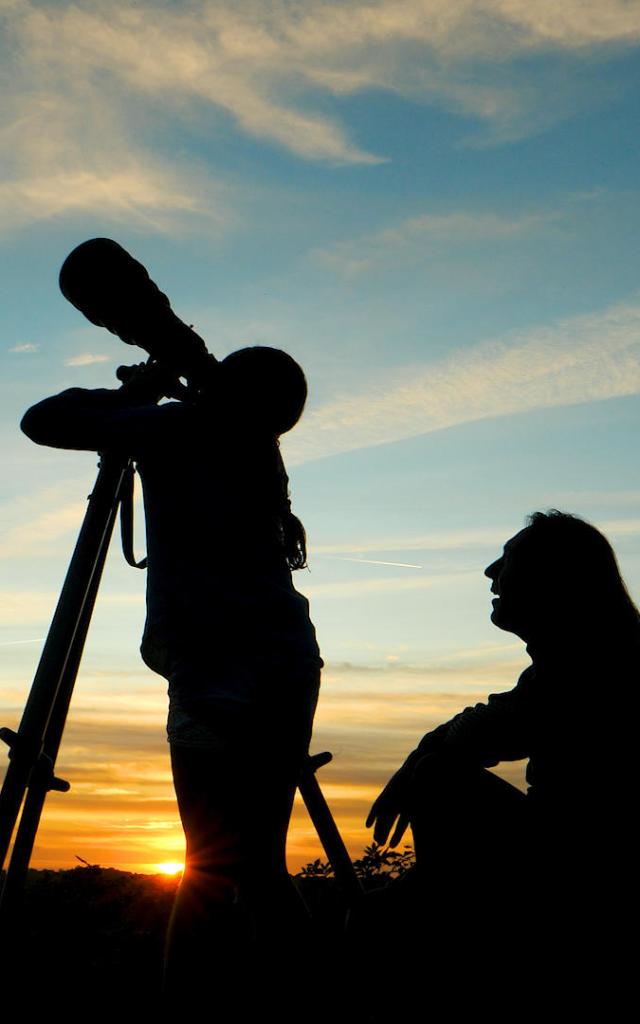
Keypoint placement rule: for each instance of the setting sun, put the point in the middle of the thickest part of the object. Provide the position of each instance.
(170, 867)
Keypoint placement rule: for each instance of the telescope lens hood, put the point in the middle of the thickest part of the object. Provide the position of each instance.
(113, 290)
(110, 288)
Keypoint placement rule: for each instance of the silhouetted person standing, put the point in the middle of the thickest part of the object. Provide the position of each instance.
(532, 883)
(232, 636)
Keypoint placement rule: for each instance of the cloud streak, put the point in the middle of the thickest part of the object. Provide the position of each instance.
(390, 585)
(86, 359)
(148, 198)
(417, 237)
(90, 89)
(27, 530)
(580, 359)
(436, 541)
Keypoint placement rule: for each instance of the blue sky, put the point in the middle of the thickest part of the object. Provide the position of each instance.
(433, 206)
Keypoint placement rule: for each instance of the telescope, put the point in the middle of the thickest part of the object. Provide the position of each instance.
(114, 291)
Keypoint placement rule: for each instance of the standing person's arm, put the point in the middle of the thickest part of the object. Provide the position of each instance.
(104, 420)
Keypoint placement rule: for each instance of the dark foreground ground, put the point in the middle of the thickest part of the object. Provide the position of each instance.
(94, 936)
(91, 945)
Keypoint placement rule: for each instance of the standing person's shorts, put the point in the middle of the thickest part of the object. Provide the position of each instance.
(210, 710)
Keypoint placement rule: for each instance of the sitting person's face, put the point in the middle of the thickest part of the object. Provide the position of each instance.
(517, 582)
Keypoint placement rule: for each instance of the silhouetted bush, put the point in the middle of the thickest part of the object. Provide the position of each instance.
(377, 867)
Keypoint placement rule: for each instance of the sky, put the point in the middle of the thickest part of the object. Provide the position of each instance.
(433, 206)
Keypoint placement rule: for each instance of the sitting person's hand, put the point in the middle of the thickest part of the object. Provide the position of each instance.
(392, 807)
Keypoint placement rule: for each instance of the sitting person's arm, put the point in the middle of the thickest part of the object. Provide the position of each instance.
(487, 733)
(482, 735)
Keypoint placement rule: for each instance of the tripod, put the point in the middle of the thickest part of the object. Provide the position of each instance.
(34, 747)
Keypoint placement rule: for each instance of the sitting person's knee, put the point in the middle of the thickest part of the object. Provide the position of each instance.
(435, 771)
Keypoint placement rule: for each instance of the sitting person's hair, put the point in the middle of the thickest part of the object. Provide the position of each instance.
(585, 574)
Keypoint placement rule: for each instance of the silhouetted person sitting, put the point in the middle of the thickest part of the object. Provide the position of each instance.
(232, 636)
(495, 865)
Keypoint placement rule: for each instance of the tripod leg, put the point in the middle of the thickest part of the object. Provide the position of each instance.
(27, 745)
(42, 779)
(325, 826)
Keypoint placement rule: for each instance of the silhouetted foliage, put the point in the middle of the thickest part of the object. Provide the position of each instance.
(378, 866)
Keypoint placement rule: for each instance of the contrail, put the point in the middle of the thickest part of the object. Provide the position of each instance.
(10, 643)
(372, 561)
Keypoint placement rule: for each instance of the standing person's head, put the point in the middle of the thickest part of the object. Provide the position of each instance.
(263, 391)
(559, 576)
(266, 385)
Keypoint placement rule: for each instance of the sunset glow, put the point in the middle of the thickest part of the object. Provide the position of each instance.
(433, 206)
(170, 867)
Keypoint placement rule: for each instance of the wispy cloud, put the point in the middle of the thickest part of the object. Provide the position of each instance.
(27, 607)
(86, 359)
(226, 57)
(579, 24)
(34, 524)
(35, 607)
(348, 589)
(28, 346)
(89, 89)
(416, 237)
(580, 359)
(42, 532)
(28, 530)
(580, 498)
(620, 527)
(435, 541)
(147, 198)
(456, 27)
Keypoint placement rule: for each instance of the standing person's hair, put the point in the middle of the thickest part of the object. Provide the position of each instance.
(265, 389)
(292, 532)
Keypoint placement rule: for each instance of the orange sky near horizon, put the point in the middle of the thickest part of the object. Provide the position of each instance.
(121, 810)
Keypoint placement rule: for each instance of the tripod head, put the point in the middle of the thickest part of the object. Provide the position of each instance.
(113, 290)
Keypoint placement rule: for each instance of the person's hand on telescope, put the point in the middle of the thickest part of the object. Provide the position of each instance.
(392, 806)
(148, 382)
